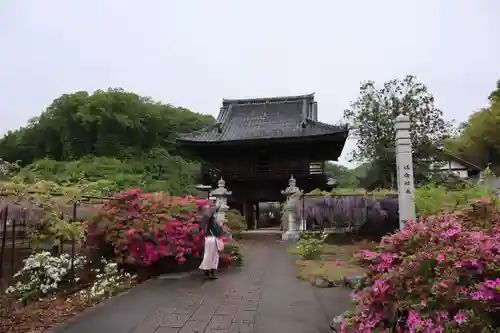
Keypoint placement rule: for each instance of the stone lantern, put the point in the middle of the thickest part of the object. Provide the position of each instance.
(220, 195)
(204, 188)
(291, 234)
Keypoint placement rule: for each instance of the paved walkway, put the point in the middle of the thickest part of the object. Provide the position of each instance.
(264, 296)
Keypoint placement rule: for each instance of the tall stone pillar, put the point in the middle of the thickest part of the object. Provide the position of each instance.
(404, 162)
(220, 195)
(291, 233)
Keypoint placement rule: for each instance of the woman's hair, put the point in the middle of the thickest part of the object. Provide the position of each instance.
(207, 217)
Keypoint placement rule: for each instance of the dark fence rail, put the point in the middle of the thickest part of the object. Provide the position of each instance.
(16, 221)
(14, 240)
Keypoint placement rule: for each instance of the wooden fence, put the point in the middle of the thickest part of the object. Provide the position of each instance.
(342, 224)
(17, 218)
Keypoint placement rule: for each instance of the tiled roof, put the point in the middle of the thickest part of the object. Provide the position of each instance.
(460, 160)
(277, 117)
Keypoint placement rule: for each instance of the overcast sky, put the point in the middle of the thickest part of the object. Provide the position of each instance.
(194, 53)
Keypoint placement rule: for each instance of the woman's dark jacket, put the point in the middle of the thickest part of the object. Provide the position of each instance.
(210, 225)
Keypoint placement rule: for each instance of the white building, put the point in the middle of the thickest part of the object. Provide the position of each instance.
(463, 169)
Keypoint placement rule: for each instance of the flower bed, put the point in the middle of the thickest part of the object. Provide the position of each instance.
(43, 274)
(440, 274)
(39, 316)
(48, 290)
(140, 229)
(318, 260)
(131, 232)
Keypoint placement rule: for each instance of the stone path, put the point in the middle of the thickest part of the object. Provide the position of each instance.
(264, 296)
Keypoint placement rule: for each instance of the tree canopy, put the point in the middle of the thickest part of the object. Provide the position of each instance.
(112, 123)
(479, 137)
(345, 177)
(114, 136)
(372, 118)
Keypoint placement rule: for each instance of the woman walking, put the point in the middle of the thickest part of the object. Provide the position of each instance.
(213, 244)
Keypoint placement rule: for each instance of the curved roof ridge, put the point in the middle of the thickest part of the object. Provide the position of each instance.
(264, 118)
(267, 99)
(320, 123)
(200, 131)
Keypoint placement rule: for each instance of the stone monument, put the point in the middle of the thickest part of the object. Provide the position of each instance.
(404, 163)
(291, 233)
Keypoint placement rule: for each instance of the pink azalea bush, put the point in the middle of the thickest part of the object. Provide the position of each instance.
(440, 274)
(140, 229)
(231, 255)
(137, 228)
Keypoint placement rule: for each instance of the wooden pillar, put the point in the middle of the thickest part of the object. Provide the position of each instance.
(239, 207)
(249, 215)
(257, 215)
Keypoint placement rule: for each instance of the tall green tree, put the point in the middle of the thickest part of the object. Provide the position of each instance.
(495, 94)
(372, 118)
(111, 123)
(479, 137)
(345, 177)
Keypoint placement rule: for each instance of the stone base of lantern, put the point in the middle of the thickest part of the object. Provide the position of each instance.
(290, 236)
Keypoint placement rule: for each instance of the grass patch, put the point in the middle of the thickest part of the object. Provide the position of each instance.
(334, 263)
(330, 270)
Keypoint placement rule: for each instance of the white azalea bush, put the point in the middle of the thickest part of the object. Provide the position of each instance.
(43, 274)
(109, 281)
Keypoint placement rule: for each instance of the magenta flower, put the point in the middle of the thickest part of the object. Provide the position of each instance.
(441, 258)
(460, 317)
(403, 280)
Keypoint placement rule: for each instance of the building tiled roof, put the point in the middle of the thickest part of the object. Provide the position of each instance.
(265, 118)
(447, 154)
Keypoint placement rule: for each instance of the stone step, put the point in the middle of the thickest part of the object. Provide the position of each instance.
(260, 234)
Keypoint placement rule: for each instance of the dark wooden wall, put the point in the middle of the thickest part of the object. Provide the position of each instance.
(260, 172)
(273, 166)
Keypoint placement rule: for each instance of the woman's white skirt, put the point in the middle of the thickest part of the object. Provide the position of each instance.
(211, 255)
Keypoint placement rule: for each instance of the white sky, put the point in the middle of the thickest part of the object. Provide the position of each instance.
(194, 53)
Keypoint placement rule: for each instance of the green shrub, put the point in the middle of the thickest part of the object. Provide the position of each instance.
(310, 245)
(154, 171)
(431, 199)
(231, 255)
(235, 221)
